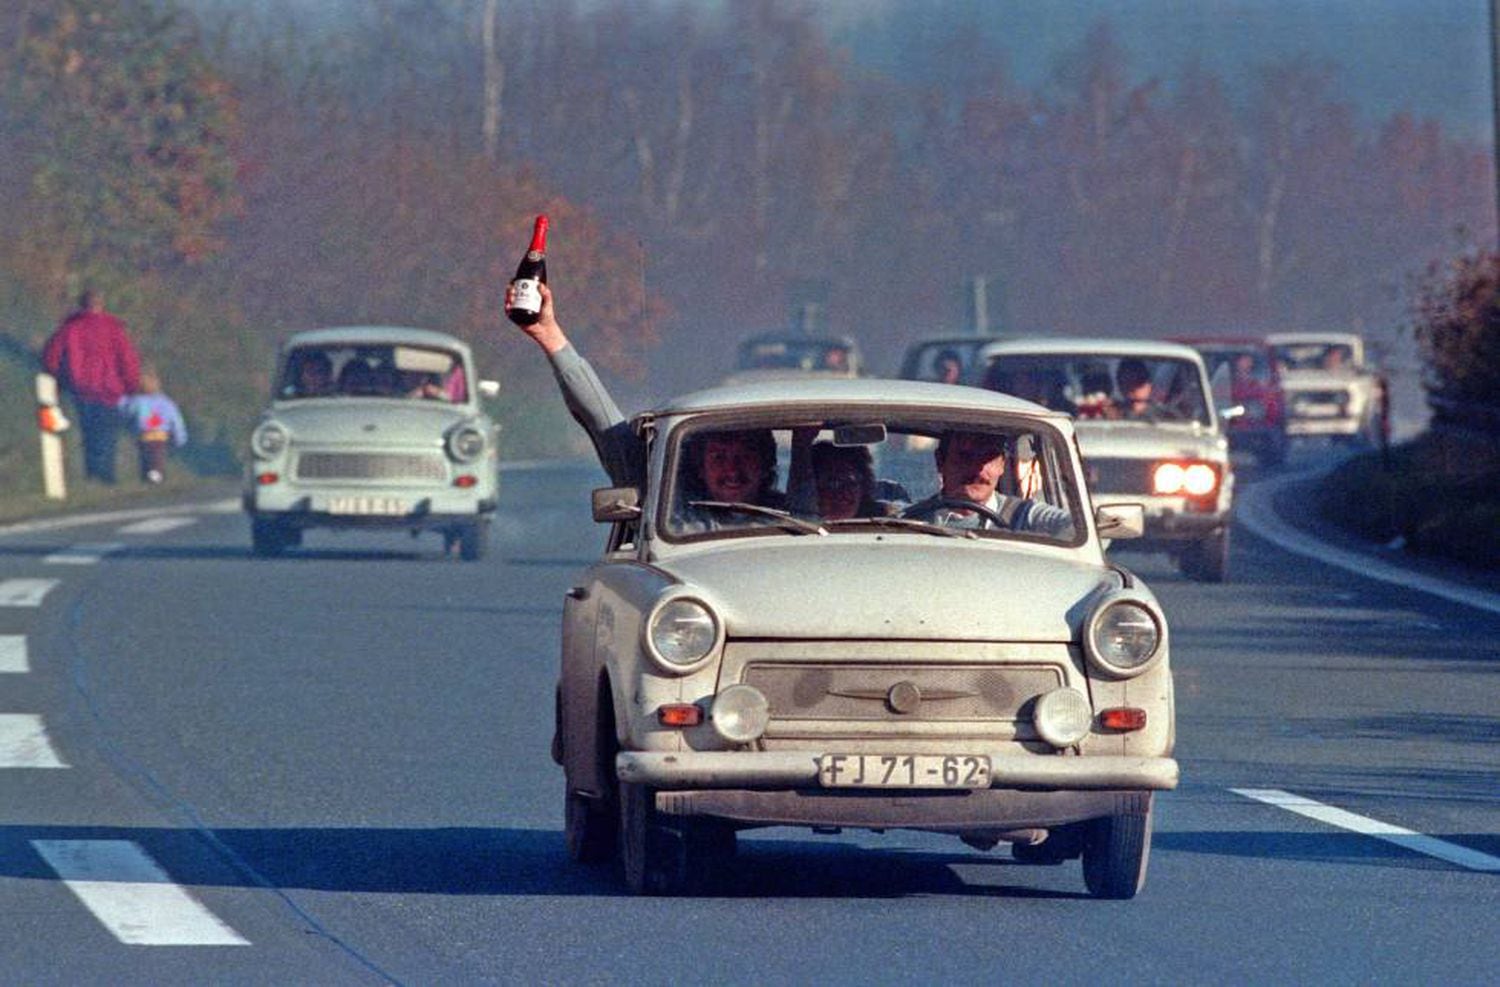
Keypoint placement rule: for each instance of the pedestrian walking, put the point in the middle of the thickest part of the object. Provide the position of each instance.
(155, 420)
(94, 360)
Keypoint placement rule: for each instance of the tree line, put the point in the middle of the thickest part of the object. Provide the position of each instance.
(233, 172)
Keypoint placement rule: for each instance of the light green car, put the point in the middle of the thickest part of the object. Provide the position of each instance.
(374, 427)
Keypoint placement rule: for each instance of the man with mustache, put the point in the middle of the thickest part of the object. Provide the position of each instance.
(971, 465)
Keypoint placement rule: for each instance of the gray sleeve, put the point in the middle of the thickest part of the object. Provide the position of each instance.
(620, 450)
(1045, 519)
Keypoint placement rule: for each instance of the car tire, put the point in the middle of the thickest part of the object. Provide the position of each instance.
(473, 539)
(1207, 560)
(589, 828)
(653, 858)
(1116, 850)
(270, 538)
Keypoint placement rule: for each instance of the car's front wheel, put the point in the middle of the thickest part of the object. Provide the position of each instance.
(589, 828)
(653, 858)
(1116, 850)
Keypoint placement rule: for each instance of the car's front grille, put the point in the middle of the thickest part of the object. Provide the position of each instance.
(371, 466)
(900, 693)
(1118, 475)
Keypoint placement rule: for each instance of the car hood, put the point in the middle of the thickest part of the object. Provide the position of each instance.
(815, 587)
(1320, 380)
(367, 421)
(1112, 440)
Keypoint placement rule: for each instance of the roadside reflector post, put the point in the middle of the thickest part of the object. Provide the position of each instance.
(50, 425)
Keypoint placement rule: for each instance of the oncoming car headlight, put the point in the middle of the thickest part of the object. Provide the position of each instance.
(1124, 637)
(269, 439)
(682, 632)
(466, 443)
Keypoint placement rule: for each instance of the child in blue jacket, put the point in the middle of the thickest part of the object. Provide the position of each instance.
(154, 420)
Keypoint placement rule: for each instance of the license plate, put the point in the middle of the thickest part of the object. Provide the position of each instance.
(368, 505)
(904, 771)
(1319, 410)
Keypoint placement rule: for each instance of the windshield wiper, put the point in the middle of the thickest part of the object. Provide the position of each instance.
(907, 523)
(783, 519)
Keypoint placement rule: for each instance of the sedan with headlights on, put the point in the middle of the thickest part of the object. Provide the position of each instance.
(902, 658)
(374, 427)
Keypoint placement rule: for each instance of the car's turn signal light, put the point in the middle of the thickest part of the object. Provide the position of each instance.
(266, 479)
(679, 715)
(465, 481)
(1123, 718)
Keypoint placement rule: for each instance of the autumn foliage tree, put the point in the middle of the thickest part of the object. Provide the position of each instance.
(1458, 329)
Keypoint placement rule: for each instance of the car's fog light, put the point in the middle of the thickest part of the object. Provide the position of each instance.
(740, 714)
(1063, 717)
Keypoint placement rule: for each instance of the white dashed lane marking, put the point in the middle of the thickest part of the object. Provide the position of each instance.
(84, 554)
(129, 893)
(157, 525)
(24, 592)
(24, 743)
(1418, 842)
(13, 658)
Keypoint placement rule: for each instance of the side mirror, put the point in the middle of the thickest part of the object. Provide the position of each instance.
(1120, 520)
(617, 504)
(489, 388)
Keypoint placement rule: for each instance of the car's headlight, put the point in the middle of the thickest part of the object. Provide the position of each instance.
(1190, 479)
(466, 443)
(740, 713)
(1124, 637)
(269, 439)
(1062, 717)
(682, 632)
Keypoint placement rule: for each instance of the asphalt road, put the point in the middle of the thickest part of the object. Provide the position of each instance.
(332, 768)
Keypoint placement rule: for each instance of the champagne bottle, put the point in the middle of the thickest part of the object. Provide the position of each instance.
(526, 300)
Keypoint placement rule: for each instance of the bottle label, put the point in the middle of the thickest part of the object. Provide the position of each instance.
(526, 296)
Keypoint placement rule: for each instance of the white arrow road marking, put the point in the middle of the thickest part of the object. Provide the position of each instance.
(157, 525)
(84, 554)
(24, 592)
(13, 653)
(24, 743)
(1429, 845)
(132, 896)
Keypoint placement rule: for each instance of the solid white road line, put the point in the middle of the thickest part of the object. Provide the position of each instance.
(24, 592)
(13, 653)
(1253, 509)
(87, 553)
(1429, 845)
(24, 743)
(132, 896)
(157, 525)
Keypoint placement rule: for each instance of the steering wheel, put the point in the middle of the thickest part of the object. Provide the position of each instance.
(929, 509)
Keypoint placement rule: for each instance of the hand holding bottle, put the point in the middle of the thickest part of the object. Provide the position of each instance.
(545, 330)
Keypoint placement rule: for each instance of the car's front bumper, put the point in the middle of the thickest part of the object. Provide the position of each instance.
(799, 769)
(425, 508)
(1322, 426)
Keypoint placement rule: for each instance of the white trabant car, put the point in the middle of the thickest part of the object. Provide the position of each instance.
(1329, 389)
(1149, 430)
(918, 661)
(374, 427)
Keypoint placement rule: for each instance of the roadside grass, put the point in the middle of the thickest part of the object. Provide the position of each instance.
(1439, 496)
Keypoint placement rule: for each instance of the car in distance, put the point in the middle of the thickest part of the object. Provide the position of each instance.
(735, 665)
(1330, 391)
(929, 359)
(781, 355)
(1249, 366)
(1170, 455)
(374, 427)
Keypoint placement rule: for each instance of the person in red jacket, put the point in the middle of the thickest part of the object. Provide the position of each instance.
(94, 360)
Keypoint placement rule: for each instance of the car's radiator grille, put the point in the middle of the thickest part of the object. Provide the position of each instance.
(371, 466)
(900, 693)
(1119, 475)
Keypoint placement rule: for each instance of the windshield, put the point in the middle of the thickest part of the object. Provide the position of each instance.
(797, 354)
(1104, 386)
(836, 473)
(415, 373)
(1249, 364)
(1315, 356)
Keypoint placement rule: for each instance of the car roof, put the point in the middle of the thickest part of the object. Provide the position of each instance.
(878, 392)
(1240, 342)
(1103, 345)
(1314, 337)
(376, 335)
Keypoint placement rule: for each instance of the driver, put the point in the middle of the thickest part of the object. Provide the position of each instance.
(971, 465)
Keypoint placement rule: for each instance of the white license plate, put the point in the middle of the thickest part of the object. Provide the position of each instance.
(904, 771)
(368, 505)
(1319, 410)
